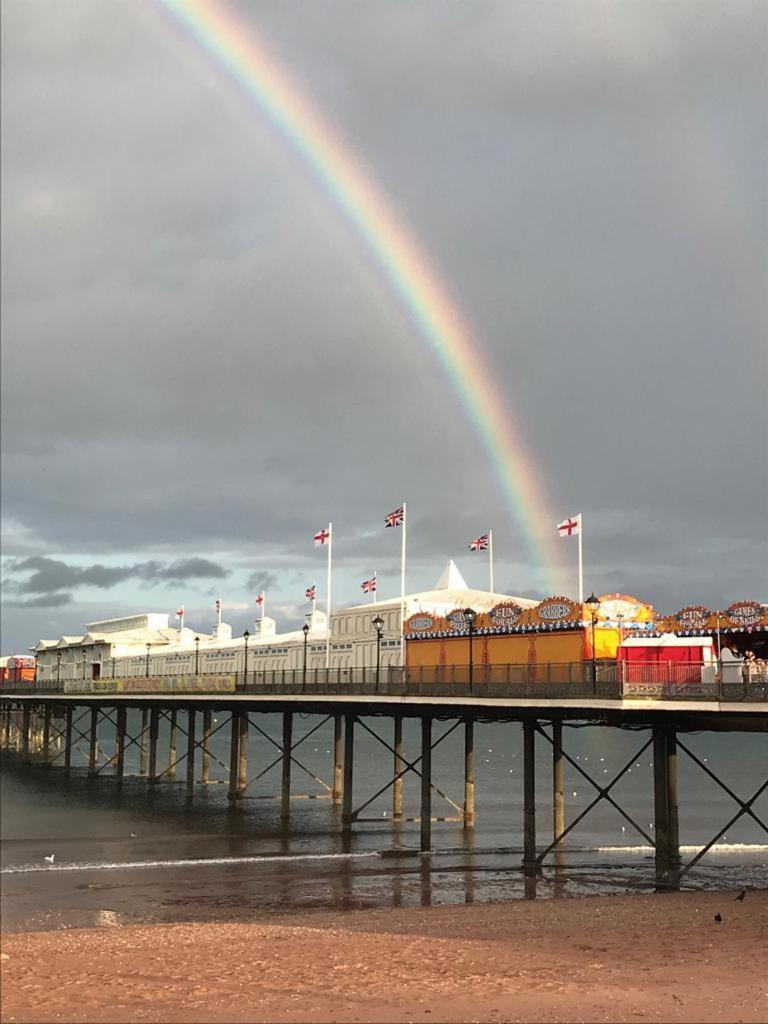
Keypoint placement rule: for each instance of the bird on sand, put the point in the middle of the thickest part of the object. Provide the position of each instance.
(50, 859)
(741, 896)
(718, 918)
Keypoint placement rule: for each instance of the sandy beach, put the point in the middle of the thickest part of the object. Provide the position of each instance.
(621, 958)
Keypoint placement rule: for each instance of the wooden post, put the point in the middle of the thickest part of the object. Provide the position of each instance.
(338, 768)
(171, 771)
(120, 738)
(47, 735)
(234, 743)
(285, 792)
(469, 773)
(154, 729)
(529, 797)
(349, 763)
(426, 783)
(7, 727)
(666, 830)
(397, 766)
(68, 738)
(143, 744)
(558, 782)
(25, 725)
(92, 746)
(205, 768)
(242, 772)
(190, 751)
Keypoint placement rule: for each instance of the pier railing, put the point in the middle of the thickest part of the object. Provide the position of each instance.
(602, 680)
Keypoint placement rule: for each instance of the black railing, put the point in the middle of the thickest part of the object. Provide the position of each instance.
(604, 680)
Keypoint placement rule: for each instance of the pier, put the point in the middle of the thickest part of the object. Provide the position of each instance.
(43, 724)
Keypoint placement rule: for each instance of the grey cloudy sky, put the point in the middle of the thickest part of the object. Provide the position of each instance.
(201, 366)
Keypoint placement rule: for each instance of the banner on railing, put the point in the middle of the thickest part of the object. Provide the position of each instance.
(144, 684)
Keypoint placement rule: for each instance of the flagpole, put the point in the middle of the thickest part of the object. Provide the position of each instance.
(328, 601)
(375, 584)
(219, 610)
(263, 604)
(490, 557)
(581, 562)
(402, 588)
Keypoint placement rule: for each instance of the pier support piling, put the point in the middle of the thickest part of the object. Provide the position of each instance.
(242, 764)
(426, 783)
(190, 751)
(93, 741)
(120, 739)
(234, 751)
(666, 829)
(205, 764)
(143, 742)
(338, 761)
(171, 770)
(154, 729)
(285, 791)
(25, 727)
(349, 763)
(558, 782)
(68, 738)
(47, 736)
(529, 797)
(469, 773)
(399, 764)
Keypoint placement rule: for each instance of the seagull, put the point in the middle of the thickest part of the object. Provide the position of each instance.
(133, 835)
(741, 896)
(718, 918)
(50, 859)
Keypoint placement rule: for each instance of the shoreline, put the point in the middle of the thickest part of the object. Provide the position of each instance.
(657, 957)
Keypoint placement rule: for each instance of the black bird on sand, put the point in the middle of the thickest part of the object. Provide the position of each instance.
(741, 896)
(718, 918)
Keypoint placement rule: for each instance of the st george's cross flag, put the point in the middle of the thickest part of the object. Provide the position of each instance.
(180, 613)
(321, 537)
(260, 599)
(569, 527)
(369, 586)
(311, 593)
(395, 518)
(479, 543)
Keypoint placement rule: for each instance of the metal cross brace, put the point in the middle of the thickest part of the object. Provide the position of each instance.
(603, 793)
(282, 753)
(745, 807)
(410, 766)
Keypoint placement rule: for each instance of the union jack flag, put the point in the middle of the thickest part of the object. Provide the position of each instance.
(395, 518)
(311, 592)
(479, 543)
(260, 599)
(321, 536)
(369, 586)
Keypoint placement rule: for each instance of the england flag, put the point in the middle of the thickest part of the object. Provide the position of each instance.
(569, 527)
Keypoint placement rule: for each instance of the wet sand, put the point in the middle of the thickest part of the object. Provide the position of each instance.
(619, 958)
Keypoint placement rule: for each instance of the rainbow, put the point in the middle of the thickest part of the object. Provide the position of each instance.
(237, 50)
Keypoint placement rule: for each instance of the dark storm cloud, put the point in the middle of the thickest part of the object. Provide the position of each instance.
(50, 574)
(199, 357)
(43, 601)
(260, 580)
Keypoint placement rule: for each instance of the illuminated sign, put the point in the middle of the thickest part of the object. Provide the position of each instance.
(556, 609)
(745, 613)
(505, 614)
(693, 616)
(421, 622)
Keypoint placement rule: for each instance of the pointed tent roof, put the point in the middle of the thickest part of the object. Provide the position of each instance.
(451, 579)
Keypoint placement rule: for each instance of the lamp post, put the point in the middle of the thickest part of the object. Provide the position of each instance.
(593, 603)
(58, 667)
(197, 655)
(305, 631)
(147, 666)
(112, 655)
(83, 663)
(378, 625)
(246, 634)
(469, 617)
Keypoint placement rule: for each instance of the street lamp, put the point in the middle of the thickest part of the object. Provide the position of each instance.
(147, 670)
(469, 617)
(378, 625)
(593, 603)
(83, 663)
(305, 631)
(197, 655)
(58, 667)
(246, 634)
